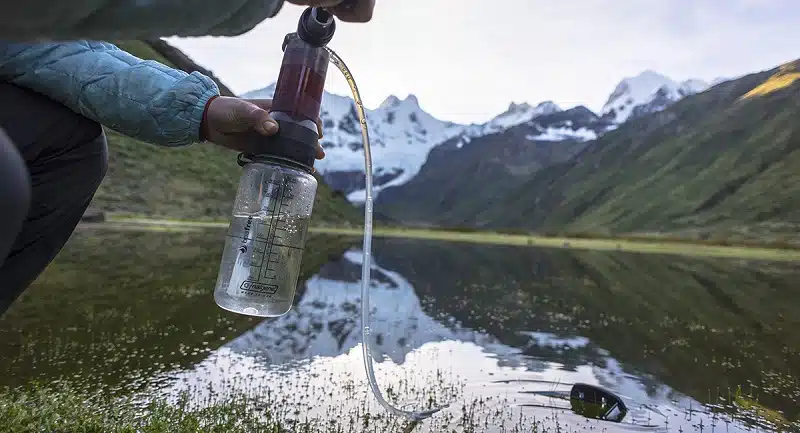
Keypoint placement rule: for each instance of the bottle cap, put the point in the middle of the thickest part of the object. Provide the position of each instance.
(316, 27)
(294, 144)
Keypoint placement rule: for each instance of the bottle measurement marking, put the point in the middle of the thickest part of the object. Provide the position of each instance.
(262, 242)
(277, 230)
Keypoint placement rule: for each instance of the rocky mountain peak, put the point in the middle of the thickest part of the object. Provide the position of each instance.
(634, 93)
(390, 102)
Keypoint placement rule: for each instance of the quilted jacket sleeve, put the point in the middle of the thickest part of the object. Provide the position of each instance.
(140, 98)
(39, 20)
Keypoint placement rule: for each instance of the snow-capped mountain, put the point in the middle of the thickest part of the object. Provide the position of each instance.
(401, 134)
(495, 161)
(544, 122)
(647, 93)
(516, 114)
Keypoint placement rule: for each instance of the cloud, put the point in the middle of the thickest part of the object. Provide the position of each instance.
(466, 60)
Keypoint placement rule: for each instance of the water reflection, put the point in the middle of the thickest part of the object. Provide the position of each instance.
(703, 326)
(314, 349)
(500, 332)
(117, 307)
(326, 321)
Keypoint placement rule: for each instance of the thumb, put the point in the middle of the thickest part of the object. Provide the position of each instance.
(252, 116)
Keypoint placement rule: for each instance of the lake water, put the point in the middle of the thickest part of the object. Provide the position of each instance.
(501, 333)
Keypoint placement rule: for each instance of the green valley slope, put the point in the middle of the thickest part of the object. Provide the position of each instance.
(197, 182)
(723, 161)
(465, 170)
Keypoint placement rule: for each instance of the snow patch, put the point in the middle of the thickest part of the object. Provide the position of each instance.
(516, 114)
(561, 134)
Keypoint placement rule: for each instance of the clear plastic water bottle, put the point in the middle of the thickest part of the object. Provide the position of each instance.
(264, 248)
(271, 213)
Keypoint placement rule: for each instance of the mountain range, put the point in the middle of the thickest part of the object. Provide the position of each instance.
(722, 163)
(403, 135)
(686, 158)
(683, 158)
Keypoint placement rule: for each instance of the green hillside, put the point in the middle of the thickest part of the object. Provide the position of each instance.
(723, 161)
(493, 163)
(197, 182)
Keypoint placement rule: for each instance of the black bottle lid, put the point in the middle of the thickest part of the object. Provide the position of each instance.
(316, 27)
(294, 144)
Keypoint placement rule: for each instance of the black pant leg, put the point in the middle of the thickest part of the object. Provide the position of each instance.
(66, 158)
(15, 194)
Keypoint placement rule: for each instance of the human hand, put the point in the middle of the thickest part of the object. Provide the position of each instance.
(226, 118)
(354, 11)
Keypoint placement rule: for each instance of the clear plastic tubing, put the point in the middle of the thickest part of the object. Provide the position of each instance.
(367, 248)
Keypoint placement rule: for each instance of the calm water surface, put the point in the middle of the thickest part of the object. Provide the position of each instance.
(501, 333)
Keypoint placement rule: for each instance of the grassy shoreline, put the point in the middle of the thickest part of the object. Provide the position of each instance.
(59, 410)
(637, 245)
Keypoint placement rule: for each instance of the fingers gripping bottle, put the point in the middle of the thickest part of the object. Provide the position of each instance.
(261, 259)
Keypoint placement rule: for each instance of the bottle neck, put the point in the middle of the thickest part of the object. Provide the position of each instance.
(244, 159)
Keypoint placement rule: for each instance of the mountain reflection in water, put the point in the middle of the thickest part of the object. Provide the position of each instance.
(312, 352)
(499, 332)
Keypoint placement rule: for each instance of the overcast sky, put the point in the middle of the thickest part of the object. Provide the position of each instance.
(466, 60)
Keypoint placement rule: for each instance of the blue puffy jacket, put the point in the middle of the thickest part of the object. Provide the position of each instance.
(140, 98)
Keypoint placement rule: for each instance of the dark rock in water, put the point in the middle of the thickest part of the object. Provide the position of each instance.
(93, 216)
(595, 402)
